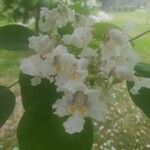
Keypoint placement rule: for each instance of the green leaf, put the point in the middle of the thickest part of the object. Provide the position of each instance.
(44, 131)
(39, 128)
(14, 37)
(37, 97)
(142, 100)
(7, 103)
(142, 70)
(68, 29)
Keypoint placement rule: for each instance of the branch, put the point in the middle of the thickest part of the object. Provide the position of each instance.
(13, 84)
(139, 36)
(37, 17)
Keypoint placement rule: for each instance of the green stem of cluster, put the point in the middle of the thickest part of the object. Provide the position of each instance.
(140, 35)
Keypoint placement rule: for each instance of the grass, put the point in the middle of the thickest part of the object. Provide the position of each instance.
(125, 128)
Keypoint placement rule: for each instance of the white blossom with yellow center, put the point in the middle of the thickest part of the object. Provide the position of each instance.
(42, 44)
(73, 70)
(118, 57)
(79, 103)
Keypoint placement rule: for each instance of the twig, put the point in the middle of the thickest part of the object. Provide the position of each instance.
(140, 35)
(13, 84)
(37, 17)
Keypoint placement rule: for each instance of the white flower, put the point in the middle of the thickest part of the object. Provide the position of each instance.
(57, 17)
(72, 70)
(65, 15)
(42, 44)
(74, 124)
(118, 36)
(80, 38)
(61, 106)
(71, 15)
(124, 72)
(138, 84)
(88, 52)
(48, 25)
(129, 57)
(35, 80)
(56, 59)
(29, 66)
(116, 54)
(36, 66)
(80, 103)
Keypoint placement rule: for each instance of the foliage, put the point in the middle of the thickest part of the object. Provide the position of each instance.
(142, 100)
(46, 129)
(39, 128)
(143, 70)
(14, 37)
(7, 103)
(23, 10)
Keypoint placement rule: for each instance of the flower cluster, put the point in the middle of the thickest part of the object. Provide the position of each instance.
(55, 60)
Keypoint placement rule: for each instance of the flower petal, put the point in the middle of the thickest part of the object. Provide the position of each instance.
(74, 124)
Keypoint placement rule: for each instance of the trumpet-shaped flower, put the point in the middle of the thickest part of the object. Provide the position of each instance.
(74, 124)
(73, 70)
(79, 103)
(118, 56)
(36, 66)
(57, 17)
(35, 80)
(42, 44)
(80, 38)
(118, 36)
(56, 59)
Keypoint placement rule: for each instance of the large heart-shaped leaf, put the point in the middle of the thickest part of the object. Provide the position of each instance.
(143, 70)
(39, 128)
(7, 103)
(37, 97)
(44, 131)
(14, 37)
(142, 100)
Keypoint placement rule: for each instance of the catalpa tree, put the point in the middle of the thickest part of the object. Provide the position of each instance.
(68, 81)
